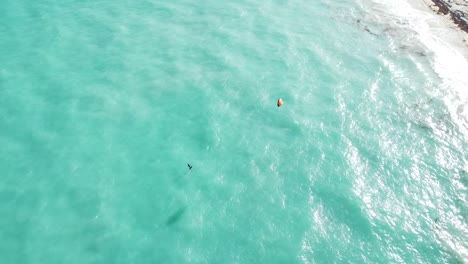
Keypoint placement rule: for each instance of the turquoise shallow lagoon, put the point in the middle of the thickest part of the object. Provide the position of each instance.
(103, 103)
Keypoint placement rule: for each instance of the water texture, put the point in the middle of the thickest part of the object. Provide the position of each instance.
(103, 104)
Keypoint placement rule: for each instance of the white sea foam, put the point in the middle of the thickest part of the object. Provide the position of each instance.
(415, 24)
(445, 42)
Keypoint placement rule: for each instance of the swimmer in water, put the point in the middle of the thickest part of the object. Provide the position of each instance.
(189, 166)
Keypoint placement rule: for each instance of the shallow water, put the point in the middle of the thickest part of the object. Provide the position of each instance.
(102, 105)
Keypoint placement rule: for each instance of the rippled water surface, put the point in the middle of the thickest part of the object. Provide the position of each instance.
(103, 103)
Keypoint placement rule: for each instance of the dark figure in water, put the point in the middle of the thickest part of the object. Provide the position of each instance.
(189, 166)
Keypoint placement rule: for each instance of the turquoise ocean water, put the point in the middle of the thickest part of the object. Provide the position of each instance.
(103, 103)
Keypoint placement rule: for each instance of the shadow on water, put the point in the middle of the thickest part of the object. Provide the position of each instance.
(176, 216)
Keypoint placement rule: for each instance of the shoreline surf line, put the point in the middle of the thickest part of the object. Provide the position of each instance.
(455, 13)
